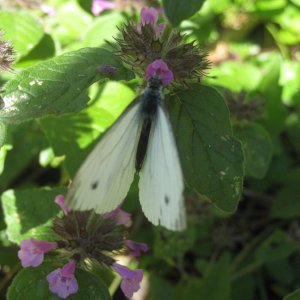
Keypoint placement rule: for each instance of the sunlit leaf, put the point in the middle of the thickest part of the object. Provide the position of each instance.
(28, 212)
(56, 86)
(22, 30)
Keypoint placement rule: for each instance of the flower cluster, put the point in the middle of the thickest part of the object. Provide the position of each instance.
(151, 45)
(84, 237)
(6, 54)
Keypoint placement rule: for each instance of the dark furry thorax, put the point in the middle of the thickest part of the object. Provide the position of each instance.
(150, 100)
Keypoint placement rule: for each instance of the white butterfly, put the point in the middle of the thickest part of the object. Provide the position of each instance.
(140, 141)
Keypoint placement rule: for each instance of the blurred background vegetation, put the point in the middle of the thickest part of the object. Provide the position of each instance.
(254, 47)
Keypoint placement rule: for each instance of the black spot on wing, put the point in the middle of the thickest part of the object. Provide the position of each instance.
(167, 200)
(94, 185)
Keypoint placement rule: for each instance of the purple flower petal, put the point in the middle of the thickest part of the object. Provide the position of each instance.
(136, 248)
(62, 281)
(120, 216)
(32, 251)
(149, 15)
(160, 69)
(160, 28)
(131, 280)
(60, 200)
(100, 6)
(107, 69)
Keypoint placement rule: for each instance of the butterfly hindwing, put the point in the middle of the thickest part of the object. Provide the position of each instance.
(104, 178)
(161, 181)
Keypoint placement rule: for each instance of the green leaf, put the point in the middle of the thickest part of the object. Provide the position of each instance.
(214, 286)
(243, 288)
(293, 296)
(22, 30)
(296, 2)
(178, 242)
(159, 288)
(31, 283)
(74, 135)
(56, 86)
(289, 80)
(211, 158)
(3, 130)
(236, 76)
(178, 10)
(28, 213)
(71, 20)
(44, 50)
(270, 89)
(257, 147)
(287, 204)
(269, 8)
(22, 145)
(105, 28)
(277, 246)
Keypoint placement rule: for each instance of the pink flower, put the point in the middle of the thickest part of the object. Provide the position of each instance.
(131, 280)
(60, 200)
(49, 10)
(32, 251)
(99, 6)
(149, 15)
(120, 216)
(62, 282)
(136, 248)
(160, 28)
(160, 69)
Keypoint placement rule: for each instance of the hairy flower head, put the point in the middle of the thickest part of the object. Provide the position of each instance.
(6, 54)
(143, 43)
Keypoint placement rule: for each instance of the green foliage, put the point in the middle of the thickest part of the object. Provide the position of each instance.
(45, 89)
(31, 283)
(22, 29)
(277, 246)
(202, 128)
(293, 296)
(103, 29)
(23, 216)
(257, 147)
(286, 204)
(177, 10)
(214, 285)
(240, 158)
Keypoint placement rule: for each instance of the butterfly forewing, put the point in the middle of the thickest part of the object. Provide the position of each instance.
(104, 178)
(161, 181)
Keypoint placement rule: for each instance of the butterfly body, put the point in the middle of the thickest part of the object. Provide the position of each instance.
(150, 100)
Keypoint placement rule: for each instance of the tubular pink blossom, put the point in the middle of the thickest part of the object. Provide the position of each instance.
(62, 281)
(131, 280)
(136, 249)
(60, 201)
(49, 10)
(120, 216)
(32, 251)
(100, 6)
(149, 15)
(160, 69)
